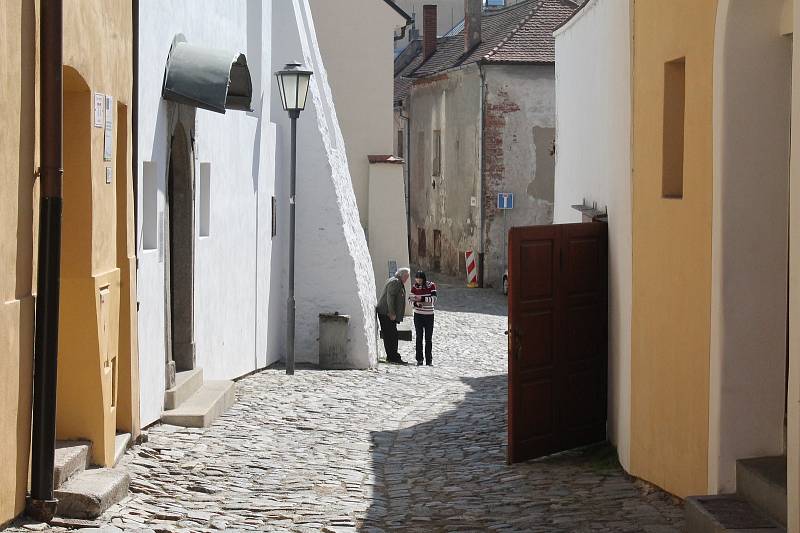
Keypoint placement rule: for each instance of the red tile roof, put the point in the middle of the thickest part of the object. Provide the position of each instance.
(522, 33)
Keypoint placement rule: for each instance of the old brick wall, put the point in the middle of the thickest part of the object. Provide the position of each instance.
(519, 137)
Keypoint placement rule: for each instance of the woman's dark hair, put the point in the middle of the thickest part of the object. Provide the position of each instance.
(421, 275)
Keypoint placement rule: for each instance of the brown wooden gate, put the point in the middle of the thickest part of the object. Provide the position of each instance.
(558, 338)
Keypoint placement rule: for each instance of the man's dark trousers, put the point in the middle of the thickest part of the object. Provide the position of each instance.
(389, 330)
(423, 325)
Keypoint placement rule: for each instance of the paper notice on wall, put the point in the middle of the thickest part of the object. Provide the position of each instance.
(99, 107)
(108, 138)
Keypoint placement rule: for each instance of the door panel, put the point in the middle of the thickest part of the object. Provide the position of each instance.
(558, 338)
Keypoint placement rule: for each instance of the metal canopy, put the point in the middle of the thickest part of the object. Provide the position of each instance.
(207, 78)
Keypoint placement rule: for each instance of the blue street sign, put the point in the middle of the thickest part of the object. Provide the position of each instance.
(505, 200)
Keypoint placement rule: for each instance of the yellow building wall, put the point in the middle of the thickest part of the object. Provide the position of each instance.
(97, 347)
(671, 251)
(97, 275)
(17, 149)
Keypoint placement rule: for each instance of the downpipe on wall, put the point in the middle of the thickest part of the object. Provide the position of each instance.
(42, 504)
(482, 181)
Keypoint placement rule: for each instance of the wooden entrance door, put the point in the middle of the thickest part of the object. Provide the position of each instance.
(558, 338)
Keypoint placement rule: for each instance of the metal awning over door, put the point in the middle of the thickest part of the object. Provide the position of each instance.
(207, 78)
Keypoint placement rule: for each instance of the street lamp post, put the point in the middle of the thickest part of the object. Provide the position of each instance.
(293, 82)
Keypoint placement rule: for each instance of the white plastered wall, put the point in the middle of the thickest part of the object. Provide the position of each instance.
(333, 264)
(232, 264)
(752, 99)
(593, 162)
(354, 51)
(387, 215)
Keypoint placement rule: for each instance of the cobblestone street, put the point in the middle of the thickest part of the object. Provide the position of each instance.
(399, 448)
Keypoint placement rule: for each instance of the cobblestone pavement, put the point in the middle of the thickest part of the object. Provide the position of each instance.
(394, 449)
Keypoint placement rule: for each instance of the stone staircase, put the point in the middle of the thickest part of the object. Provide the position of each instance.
(196, 403)
(82, 490)
(758, 505)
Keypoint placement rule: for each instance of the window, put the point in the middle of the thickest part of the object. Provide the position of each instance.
(422, 245)
(437, 249)
(149, 206)
(274, 216)
(399, 143)
(437, 153)
(204, 199)
(673, 134)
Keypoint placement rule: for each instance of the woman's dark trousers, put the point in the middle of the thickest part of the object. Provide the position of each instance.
(423, 325)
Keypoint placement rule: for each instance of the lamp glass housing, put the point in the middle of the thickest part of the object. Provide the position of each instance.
(293, 82)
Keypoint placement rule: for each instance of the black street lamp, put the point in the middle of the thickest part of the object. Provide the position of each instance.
(293, 83)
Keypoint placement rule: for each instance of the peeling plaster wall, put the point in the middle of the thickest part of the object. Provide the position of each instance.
(449, 103)
(333, 264)
(519, 137)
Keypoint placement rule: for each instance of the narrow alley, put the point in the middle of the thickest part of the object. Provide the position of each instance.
(396, 449)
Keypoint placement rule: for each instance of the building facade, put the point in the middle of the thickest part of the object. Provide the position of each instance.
(98, 387)
(481, 108)
(364, 111)
(706, 375)
(593, 166)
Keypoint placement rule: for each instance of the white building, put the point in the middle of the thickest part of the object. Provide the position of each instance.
(593, 164)
(212, 219)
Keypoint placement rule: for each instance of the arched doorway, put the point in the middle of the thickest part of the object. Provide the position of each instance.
(180, 245)
(749, 313)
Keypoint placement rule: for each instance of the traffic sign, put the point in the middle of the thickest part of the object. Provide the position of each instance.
(505, 200)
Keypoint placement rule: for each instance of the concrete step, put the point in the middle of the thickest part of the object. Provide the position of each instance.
(186, 384)
(121, 442)
(72, 457)
(726, 513)
(762, 482)
(204, 406)
(90, 493)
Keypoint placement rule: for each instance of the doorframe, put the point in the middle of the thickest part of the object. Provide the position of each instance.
(181, 150)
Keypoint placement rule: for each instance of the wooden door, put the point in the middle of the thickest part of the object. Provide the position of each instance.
(558, 338)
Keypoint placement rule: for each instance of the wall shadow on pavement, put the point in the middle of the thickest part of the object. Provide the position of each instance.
(450, 474)
(462, 300)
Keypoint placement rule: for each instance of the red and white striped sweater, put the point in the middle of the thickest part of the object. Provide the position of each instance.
(427, 298)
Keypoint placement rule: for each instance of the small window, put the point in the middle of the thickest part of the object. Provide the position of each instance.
(274, 216)
(422, 245)
(673, 134)
(437, 153)
(149, 205)
(204, 193)
(400, 143)
(437, 243)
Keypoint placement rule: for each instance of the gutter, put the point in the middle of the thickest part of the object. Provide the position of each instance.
(135, 140)
(42, 503)
(482, 179)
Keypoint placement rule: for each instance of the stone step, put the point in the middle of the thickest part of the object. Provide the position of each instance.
(186, 384)
(762, 482)
(726, 513)
(121, 442)
(204, 406)
(90, 493)
(72, 457)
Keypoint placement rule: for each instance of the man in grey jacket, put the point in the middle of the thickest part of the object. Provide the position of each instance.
(391, 308)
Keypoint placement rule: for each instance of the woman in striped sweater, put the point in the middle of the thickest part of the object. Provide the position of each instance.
(423, 298)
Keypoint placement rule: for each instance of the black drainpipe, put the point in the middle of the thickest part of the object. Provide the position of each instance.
(42, 503)
(135, 139)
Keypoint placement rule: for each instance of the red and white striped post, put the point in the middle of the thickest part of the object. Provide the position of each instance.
(472, 269)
